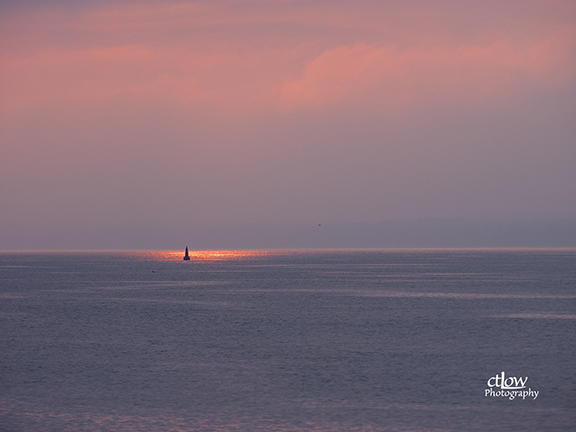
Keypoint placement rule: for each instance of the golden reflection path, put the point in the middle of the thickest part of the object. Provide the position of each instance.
(208, 255)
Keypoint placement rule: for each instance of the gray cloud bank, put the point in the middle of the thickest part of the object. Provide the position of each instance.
(421, 233)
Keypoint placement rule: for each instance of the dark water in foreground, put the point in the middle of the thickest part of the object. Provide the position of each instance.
(389, 340)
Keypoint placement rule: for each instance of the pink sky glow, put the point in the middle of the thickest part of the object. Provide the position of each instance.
(284, 111)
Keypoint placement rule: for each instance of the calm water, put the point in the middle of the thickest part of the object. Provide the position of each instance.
(380, 340)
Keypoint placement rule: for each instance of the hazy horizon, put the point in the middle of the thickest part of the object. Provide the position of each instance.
(242, 124)
(425, 233)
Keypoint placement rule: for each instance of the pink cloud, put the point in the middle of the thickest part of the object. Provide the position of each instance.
(208, 54)
(431, 74)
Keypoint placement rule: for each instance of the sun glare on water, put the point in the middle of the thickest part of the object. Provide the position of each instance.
(211, 255)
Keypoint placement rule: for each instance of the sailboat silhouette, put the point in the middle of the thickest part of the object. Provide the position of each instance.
(186, 256)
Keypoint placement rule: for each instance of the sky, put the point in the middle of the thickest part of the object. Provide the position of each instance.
(136, 124)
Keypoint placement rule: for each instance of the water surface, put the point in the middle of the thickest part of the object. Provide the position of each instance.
(345, 340)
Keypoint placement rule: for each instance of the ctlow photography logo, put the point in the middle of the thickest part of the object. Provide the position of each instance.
(510, 387)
